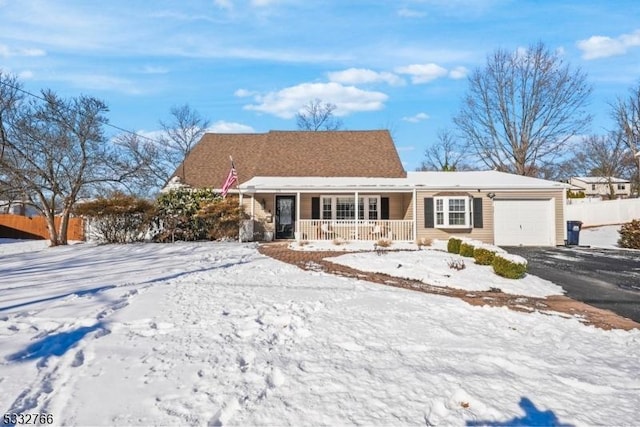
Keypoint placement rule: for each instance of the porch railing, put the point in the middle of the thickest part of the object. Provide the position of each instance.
(399, 230)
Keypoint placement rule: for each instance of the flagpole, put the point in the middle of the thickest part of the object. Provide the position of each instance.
(239, 201)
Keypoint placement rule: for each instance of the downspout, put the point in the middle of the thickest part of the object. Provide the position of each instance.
(415, 215)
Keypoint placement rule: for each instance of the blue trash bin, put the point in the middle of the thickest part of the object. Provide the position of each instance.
(573, 232)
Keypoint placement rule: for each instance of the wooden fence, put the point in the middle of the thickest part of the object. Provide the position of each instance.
(24, 227)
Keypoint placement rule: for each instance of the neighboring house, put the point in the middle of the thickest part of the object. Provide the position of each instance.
(602, 186)
(304, 185)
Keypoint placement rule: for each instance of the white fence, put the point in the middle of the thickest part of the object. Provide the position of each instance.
(399, 230)
(604, 212)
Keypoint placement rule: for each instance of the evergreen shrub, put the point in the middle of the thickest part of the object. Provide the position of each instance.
(509, 266)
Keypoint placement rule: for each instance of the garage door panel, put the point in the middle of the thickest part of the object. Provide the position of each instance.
(524, 222)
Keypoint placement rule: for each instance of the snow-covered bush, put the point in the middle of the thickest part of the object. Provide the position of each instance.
(423, 241)
(466, 249)
(509, 266)
(630, 235)
(483, 255)
(456, 264)
(384, 243)
(118, 218)
(453, 245)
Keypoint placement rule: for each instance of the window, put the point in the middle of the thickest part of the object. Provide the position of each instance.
(344, 208)
(593, 187)
(327, 208)
(439, 212)
(453, 212)
(621, 187)
(373, 208)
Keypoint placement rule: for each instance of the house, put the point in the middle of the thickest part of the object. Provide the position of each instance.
(602, 186)
(304, 185)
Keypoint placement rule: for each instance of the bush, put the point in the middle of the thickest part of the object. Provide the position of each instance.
(177, 212)
(630, 235)
(456, 264)
(483, 256)
(509, 266)
(423, 241)
(384, 243)
(221, 218)
(118, 218)
(453, 245)
(466, 250)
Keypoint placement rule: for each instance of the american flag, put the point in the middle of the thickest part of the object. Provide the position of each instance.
(231, 179)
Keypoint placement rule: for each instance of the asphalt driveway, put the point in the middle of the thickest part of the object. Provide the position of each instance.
(604, 278)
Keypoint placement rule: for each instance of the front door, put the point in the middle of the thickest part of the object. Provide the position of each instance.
(285, 217)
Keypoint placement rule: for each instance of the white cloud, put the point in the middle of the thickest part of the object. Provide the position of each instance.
(262, 3)
(223, 4)
(410, 13)
(422, 73)
(416, 118)
(102, 82)
(362, 75)
(230, 127)
(25, 75)
(6, 52)
(287, 102)
(458, 73)
(150, 69)
(603, 46)
(243, 93)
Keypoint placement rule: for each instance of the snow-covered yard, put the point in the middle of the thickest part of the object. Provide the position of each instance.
(217, 334)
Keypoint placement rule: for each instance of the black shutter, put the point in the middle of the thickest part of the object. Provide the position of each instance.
(477, 212)
(315, 208)
(384, 208)
(428, 212)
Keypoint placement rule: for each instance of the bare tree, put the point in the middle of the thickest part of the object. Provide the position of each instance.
(10, 96)
(447, 154)
(316, 115)
(521, 109)
(56, 152)
(626, 113)
(182, 132)
(605, 156)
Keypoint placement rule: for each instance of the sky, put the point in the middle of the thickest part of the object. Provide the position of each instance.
(250, 65)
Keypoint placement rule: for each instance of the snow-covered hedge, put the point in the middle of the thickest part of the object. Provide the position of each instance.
(453, 245)
(509, 266)
(466, 249)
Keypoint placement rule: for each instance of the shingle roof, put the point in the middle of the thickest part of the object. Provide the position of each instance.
(290, 154)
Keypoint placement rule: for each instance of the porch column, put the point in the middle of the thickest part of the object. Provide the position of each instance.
(415, 215)
(357, 201)
(298, 232)
(253, 206)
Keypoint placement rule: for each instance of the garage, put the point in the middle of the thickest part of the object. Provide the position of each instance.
(524, 222)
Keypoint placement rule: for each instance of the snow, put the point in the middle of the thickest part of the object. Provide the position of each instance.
(420, 180)
(600, 237)
(432, 267)
(217, 334)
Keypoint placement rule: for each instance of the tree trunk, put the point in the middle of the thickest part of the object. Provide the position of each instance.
(64, 227)
(51, 226)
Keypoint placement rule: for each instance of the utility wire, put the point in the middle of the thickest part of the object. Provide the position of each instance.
(80, 112)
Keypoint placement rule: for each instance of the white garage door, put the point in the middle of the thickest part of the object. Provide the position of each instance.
(524, 222)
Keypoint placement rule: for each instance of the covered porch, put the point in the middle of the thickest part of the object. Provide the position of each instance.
(349, 209)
